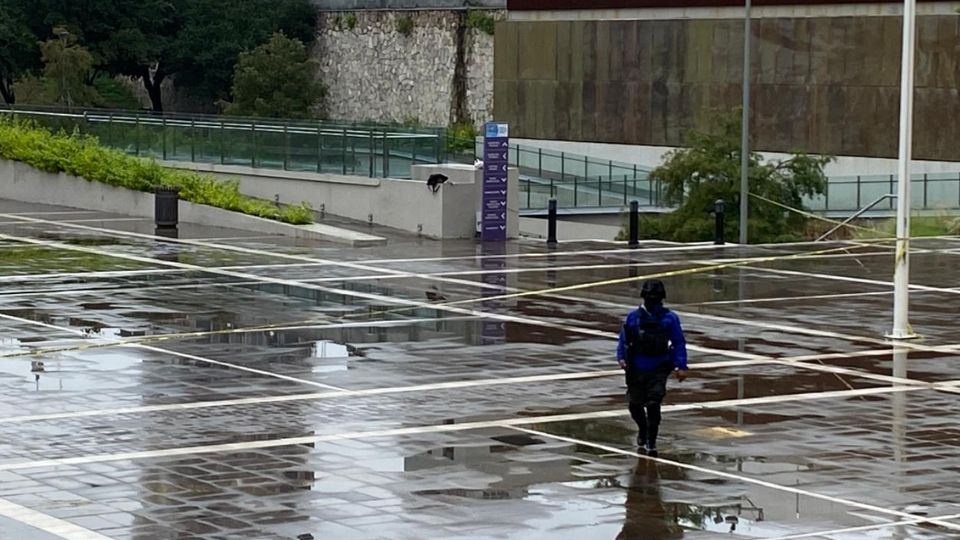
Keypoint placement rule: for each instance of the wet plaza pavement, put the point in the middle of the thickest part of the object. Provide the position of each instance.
(225, 385)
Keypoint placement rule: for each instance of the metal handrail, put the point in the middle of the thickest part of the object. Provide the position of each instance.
(859, 213)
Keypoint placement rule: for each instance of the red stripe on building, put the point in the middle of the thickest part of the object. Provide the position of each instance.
(550, 5)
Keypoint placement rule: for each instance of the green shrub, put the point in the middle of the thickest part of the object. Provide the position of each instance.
(351, 20)
(300, 214)
(83, 156)
(461, 137)
(405, 25)
(481, 20)
(114, 94)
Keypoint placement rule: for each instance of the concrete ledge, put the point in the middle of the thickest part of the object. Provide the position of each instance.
(21, 182)
(239, 170)
(218, 217)
(403, 204)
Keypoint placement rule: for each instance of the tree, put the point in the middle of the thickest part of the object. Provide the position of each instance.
(66, 71)
(18, 47)
(125, 37)
(195, 41)
(214, 33)
(709, 170)
(276, 79)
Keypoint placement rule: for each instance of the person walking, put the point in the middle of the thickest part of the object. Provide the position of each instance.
(651, 347)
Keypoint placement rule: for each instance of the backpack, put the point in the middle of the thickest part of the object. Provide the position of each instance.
(649, 338)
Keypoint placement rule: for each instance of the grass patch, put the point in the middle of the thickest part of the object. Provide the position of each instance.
(480, 20)
(25, 259)
(938, 225)
(461, 137)
(83, 156)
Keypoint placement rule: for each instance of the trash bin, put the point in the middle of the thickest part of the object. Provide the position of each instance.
(167, 209)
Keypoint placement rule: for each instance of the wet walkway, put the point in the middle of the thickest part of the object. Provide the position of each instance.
(224, 385)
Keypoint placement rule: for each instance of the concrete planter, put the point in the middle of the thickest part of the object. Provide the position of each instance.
(21, 182)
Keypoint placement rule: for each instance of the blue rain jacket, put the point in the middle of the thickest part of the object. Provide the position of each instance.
(677, 356)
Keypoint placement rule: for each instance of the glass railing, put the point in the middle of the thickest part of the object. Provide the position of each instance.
(932, 191)
(598, 192)
(554, 165)
(324, 147)
(940, 191)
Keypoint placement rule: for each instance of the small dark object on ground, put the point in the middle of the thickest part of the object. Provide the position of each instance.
(435, 181)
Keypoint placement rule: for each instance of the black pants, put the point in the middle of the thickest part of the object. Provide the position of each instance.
(645, 391)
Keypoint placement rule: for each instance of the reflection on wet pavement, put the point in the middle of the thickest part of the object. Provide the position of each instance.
(313, 400)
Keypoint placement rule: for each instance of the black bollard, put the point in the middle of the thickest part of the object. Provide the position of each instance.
(167, 207)
(718, 211)
(552, 223)
(634, 224)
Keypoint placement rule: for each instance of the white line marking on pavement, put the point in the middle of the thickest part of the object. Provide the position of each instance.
(85, 220)
(130, 342)
(766, 325)
(224, 247)
(261, 252)
(351, 393)
(443, 428)
(737, 477)
(47, 523)
(914, 286)
(17, 278)
(412, 303)
(799, 298)
(874, 527)
(59, 213)
(603, 252)
(180, 354)
(453, 273)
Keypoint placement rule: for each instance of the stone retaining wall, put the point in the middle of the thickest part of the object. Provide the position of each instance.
(376, 70)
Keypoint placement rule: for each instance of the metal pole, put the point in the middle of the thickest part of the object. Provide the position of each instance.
(745, 140)
(344, 145)
(901, 277)
(925, 190)
(552, 222)
(286, 146)
(718, 212)
(253, 139)
(319, 150)
(372, 145)
(634, 224)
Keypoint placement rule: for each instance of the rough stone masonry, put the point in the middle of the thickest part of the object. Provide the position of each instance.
(404, 66)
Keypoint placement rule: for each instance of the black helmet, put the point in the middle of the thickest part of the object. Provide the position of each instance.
(653, 289)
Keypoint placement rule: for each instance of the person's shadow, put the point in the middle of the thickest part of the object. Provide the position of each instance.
(647, 516)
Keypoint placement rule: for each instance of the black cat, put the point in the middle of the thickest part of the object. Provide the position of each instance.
(435, 181)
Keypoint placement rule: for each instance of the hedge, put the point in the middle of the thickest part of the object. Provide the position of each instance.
(84, 157)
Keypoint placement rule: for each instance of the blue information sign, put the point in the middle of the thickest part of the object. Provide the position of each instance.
(496, 152)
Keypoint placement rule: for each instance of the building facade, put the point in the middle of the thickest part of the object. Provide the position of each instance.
(825, 74)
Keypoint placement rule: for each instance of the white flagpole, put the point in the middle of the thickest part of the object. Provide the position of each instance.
(901, 279)
(745, 129)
